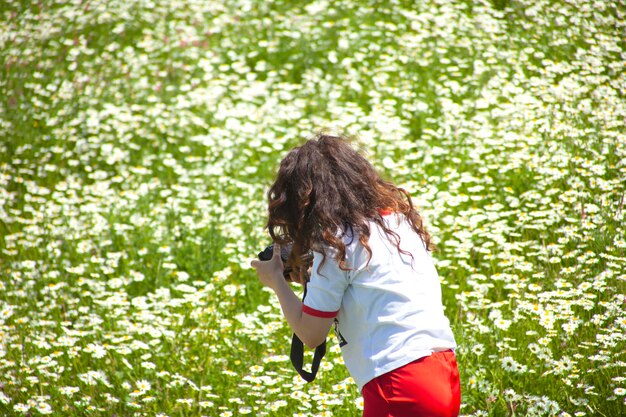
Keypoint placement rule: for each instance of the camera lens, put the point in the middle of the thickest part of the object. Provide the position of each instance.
(267, 253)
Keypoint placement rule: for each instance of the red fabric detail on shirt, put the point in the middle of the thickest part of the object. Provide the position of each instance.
(385, 212)
(316, 313)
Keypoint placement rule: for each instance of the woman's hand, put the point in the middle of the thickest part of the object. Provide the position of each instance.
(270, 272)
(311, 330)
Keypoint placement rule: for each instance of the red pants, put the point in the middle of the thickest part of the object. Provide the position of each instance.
(427, 387)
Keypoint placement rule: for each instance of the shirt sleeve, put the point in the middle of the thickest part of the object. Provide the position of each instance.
(325, 288)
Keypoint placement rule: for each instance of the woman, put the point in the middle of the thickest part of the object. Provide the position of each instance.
(372, 276)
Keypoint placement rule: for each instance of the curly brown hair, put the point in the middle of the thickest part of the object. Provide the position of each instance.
(325, 188)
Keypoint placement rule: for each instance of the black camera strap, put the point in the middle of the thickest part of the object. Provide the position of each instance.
(297, 355)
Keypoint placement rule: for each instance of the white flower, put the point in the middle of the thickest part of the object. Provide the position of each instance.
(44, 408)
(143, 385)
(97, 351)
(4, 399)
(69, 391)
(205, 404)
(478, 349)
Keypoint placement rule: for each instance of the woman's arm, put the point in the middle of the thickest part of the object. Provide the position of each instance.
(310, 329)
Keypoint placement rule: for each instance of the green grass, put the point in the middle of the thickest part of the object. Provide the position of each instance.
(137, 142)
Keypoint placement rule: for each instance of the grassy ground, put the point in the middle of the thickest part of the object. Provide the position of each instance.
(137, 139)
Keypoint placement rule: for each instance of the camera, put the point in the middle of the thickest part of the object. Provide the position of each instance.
(267, 253)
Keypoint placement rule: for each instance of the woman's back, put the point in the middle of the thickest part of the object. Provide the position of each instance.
(390, 310)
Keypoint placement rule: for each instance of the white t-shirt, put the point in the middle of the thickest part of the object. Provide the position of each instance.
(388, 312)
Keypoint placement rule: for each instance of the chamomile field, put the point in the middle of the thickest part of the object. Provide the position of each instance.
(138, 139)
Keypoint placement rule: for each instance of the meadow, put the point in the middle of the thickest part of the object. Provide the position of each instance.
(138, 139)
